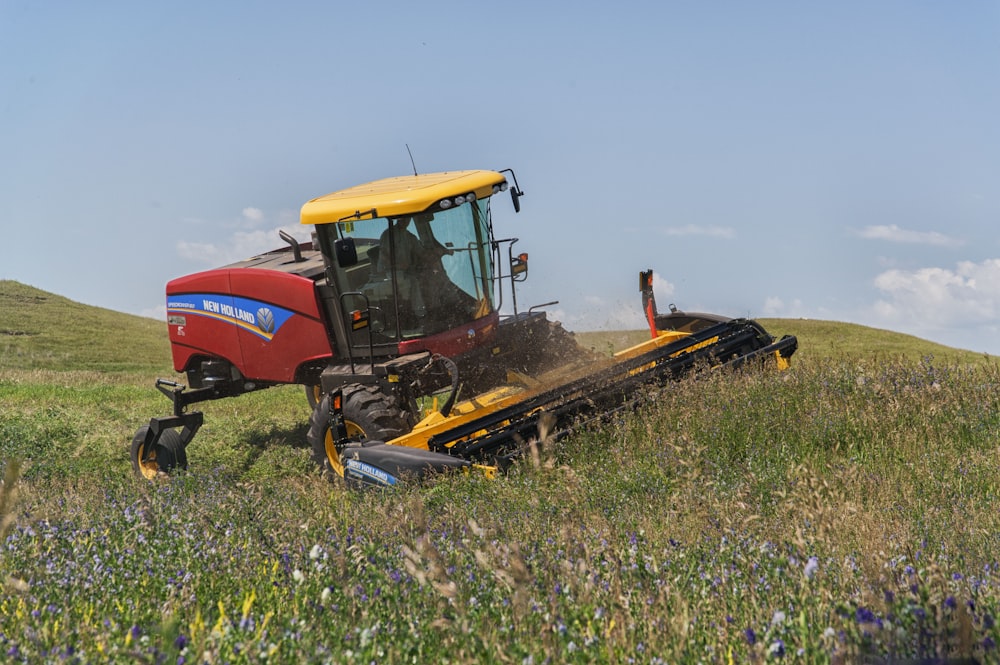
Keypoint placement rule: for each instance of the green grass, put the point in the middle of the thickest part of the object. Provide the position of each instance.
(843, 510)
(40, 330)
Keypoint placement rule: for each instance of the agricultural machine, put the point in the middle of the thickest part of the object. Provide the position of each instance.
(390, 319)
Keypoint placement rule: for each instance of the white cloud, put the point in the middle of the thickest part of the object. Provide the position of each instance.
(894, 233)
(773, 306)
(253, 214)
(777, 307)
(724, 232)
(937, 298)
(662, 287)
(239, 246)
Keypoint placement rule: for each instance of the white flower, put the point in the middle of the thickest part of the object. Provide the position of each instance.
(325, 596)
(778, 618)
(298, 576)
(812, 565)
(315, 552)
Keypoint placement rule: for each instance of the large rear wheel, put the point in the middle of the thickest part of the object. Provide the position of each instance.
(369, 415)
(167, 454)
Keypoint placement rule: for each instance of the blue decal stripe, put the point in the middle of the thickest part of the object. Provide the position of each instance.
(226, 319)
(259, 318)
(366, 470)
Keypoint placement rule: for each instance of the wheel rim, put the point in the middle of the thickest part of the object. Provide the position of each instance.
(148, 466)
(354, 431)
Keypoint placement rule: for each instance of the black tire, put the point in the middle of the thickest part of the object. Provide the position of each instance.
(369, 415)
(168, 454)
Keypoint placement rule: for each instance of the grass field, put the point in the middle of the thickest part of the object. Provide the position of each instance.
(842, 511)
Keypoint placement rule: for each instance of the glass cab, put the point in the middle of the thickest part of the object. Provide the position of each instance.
(415, 275)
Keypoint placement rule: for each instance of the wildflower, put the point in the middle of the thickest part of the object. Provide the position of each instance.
(989, 644)
(864, 615)
(812, 565)
(315, 552)
(777, 619)
(950, 602)
(298, 576)
(829, 633)
(325, 595)
(777, 648)
(751, 636)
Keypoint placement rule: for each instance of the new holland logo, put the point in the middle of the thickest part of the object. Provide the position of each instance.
(265, 320)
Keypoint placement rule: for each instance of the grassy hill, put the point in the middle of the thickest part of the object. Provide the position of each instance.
(820, 340)
(40, 330)
(843, 511)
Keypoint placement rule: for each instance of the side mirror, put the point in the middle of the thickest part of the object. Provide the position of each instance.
(515, 197)
(345, 251)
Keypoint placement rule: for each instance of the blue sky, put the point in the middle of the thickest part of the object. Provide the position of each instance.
(835, 161)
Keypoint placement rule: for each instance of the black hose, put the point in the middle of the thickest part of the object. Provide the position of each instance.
(453, 371)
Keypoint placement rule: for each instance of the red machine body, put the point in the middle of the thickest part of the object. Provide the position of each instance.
(265, 317)
(266, 323)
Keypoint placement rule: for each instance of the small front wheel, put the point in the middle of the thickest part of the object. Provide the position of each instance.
(314, 394)
(166, 456)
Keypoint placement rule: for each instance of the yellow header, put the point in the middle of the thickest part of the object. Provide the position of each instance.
(400, 195)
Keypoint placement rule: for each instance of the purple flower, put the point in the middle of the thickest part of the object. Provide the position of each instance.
(812, 565)
(864, 615)
(777, 648)
(950, 602)
(989, 644)
(180, 642)
(751, 636)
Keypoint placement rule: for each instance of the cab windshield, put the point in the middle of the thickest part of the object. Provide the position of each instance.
(418, 274)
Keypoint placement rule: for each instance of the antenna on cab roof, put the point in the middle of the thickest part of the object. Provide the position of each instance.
(412, 163)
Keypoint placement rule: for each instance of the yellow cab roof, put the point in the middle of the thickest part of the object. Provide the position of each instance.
(400, 195)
